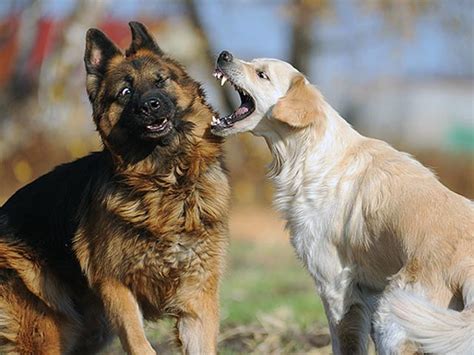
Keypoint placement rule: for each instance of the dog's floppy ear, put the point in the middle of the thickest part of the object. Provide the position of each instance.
(301, 105)
(141, 38)
(99, 50)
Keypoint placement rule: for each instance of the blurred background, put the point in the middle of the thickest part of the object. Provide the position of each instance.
(398, 70)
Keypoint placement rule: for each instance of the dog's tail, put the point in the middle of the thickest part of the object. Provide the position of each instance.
(437, 330)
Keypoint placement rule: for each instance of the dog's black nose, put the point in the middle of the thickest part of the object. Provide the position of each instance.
(225, 57)
(150, 106)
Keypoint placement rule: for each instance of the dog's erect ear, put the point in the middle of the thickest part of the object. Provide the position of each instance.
(99, 50)
(301, 105)
(141, 38)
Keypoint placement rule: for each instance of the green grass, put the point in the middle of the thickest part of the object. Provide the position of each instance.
(265, 278)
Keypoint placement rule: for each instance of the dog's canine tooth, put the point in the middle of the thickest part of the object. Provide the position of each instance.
(223, 80)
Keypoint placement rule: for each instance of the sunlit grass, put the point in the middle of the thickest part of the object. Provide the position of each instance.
(263, 278)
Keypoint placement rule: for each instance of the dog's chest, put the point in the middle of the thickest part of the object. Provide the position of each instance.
(164, 258)
(310, 209)
(157, 241)
(178, 233)
(317, 219)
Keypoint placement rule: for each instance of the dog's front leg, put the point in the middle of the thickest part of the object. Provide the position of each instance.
(124, 314)
(199, 326)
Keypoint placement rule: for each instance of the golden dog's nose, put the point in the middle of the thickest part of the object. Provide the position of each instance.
(225, 57)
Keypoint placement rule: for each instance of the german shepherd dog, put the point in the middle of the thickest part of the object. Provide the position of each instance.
(138, 230)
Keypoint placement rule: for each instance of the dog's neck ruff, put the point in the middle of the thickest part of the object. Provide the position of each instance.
(311, 152)
(164, 165)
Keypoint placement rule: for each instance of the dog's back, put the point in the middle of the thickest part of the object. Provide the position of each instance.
(44, 214)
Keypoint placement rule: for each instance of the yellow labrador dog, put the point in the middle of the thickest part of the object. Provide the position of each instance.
(390, 248)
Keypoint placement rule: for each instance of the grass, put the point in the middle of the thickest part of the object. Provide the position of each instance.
(268, 305)
(264, 278)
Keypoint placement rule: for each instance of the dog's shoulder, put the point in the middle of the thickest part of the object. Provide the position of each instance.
(65, 182)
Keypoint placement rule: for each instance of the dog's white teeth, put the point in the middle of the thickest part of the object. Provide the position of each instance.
(223, 80)
(215, 120)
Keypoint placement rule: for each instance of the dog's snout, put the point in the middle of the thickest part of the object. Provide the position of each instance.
(150, 106)
(225, 57)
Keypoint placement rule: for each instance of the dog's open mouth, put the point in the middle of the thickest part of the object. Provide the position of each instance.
(158, 128)
(247, 105)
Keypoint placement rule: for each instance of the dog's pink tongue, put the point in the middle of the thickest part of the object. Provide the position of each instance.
(241, 110)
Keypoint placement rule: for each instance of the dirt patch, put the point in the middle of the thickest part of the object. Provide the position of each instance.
(255, 222)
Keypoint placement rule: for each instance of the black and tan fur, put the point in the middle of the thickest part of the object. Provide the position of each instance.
(135, 231)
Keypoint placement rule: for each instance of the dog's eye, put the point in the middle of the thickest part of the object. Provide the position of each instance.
(262, 75)
(125, 91)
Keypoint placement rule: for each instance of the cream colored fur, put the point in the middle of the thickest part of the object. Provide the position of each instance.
(390, 248)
